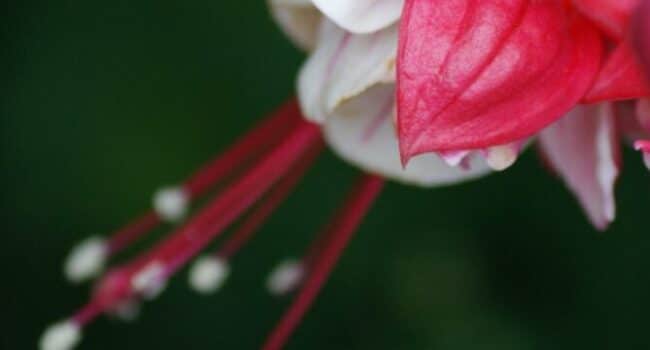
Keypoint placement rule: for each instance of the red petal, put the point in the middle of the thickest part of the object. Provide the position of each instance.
(641, 34)
(611, 16)
(583, 149)
(621, 78)
(474, 74)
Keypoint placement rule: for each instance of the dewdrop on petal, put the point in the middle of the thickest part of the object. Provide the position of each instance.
(285, 277)
(86, 260)
(60, 336)
(170, 203)
(208, 274)
(501, 157)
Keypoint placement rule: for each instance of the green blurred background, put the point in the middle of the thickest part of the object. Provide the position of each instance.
(103, 102)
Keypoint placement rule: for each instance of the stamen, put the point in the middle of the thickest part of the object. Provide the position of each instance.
(211, 221)
(147, 275)
(285, 277)
(266, 135)
(170, 203)
(209, 273)
(86, 314)
(132, 231)
(64, 335)
(345, 223)
(112, 294)
(113, 290)
(290, 273)
(150, 281)
(87, 261)
(269, 204)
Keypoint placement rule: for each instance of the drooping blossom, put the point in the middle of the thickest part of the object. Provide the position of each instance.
(423, 92)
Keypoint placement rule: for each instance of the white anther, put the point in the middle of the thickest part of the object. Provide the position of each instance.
(170, 203)
(208, 274)
(61, 336)
(150, 281)
(501, 157)
(285, 277)
(86, 260)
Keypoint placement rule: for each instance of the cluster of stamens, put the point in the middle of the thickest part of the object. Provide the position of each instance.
(255, 175)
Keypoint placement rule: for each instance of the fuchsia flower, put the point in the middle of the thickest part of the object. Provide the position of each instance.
(424, 92)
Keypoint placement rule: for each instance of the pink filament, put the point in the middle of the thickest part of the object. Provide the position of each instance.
(263, 210)
(268, 133)
(206, 225)
(114, 288)
(345, 223)
(87, 313)
(131, 232)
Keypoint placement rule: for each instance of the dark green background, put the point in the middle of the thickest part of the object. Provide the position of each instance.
(102, 102)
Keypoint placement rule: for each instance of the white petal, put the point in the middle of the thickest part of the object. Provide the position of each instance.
(361, 16)
(362, 132)
(343, 66)
(583, 148)
(299, 19)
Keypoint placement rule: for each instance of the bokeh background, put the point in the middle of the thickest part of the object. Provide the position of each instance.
(103, 102)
